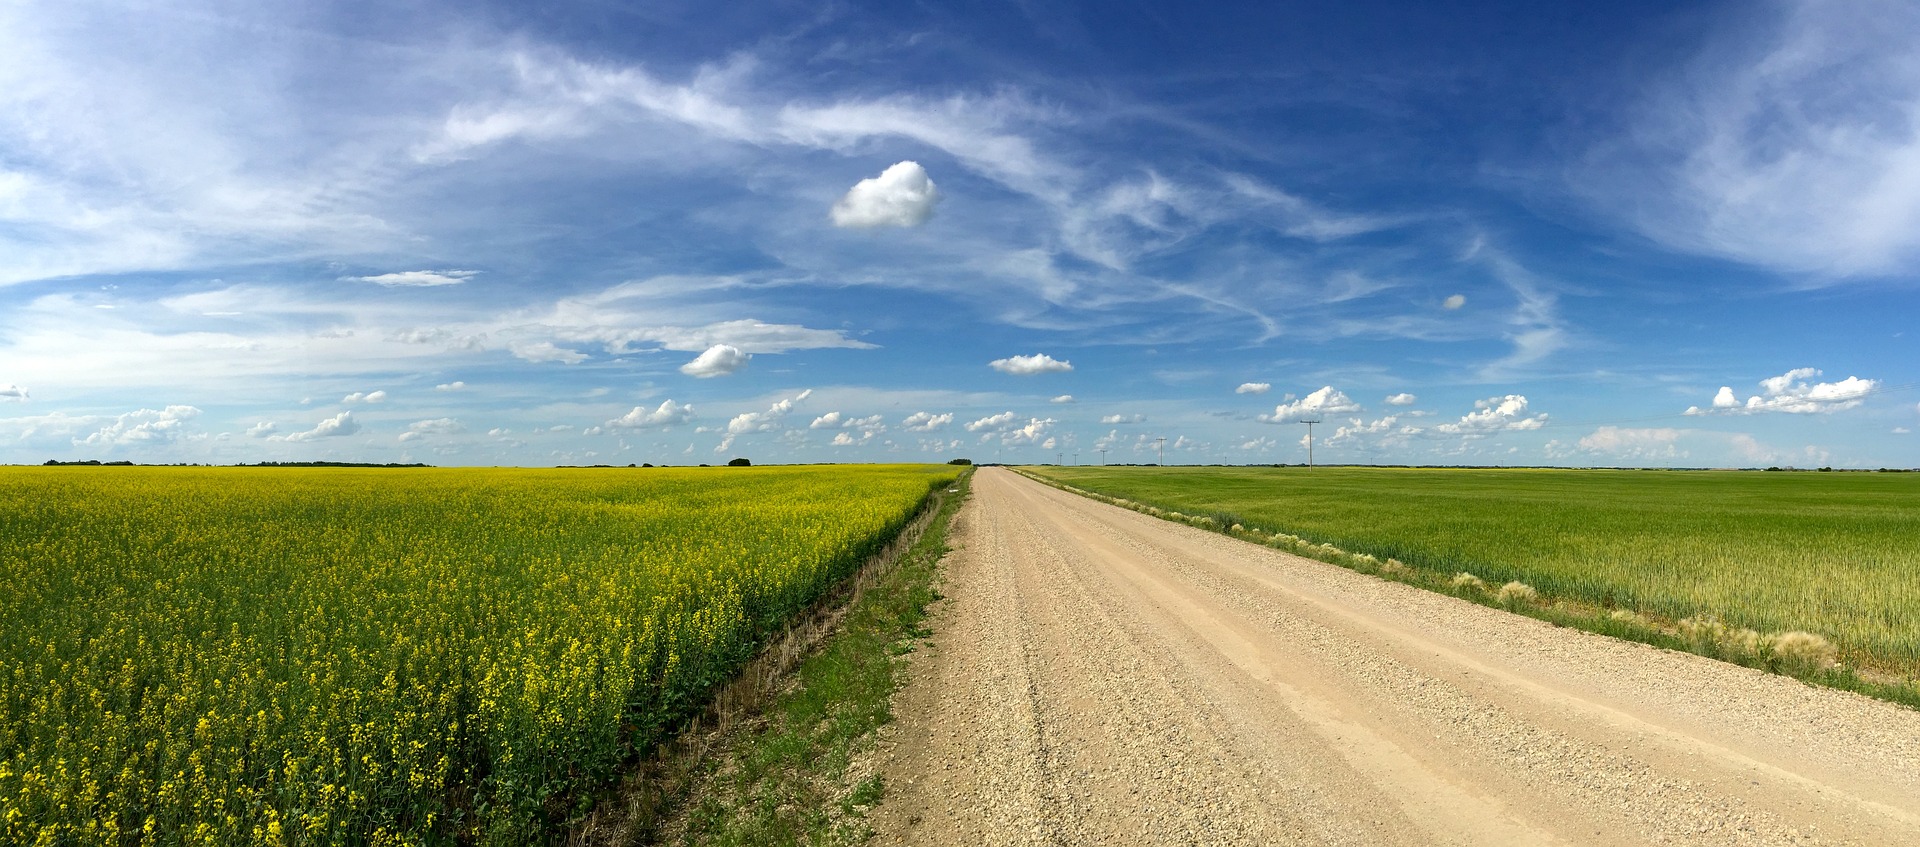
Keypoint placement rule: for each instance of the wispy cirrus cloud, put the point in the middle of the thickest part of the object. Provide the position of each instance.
(1789, 142)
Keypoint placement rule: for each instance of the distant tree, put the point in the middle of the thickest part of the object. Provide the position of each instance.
(959, 461)
(739, 463)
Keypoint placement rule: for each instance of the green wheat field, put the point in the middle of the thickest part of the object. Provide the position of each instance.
(1836, 554)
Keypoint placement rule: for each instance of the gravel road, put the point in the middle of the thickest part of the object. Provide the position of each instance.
(1098, 676)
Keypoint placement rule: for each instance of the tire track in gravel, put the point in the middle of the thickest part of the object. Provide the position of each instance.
(1098, 676)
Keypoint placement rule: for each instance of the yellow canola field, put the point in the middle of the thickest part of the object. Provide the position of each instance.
(384, 656)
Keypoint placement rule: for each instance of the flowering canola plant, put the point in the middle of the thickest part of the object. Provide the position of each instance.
(213, 656)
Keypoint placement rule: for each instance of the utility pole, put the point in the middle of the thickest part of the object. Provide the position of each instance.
(1161, 445)
(1103, 458)
(1059, 458)
(1076, 460)
(1310, 441)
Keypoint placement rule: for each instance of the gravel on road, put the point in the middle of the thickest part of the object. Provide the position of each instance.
(1098, 676)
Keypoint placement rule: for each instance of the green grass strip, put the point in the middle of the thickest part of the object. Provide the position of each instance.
(785, 779)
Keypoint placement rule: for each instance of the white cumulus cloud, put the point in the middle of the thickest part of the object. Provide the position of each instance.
(1038, 363)
(1063, 399)
(901, 195)
(993, 423)
(416, 279)
(1122, 419)
(1792, 392)
(1254, 388)
(1402, 399)
(262, 429)
(766, 421)
(926, 422)
(667, 413)
(437, 426)
(456, 385)
(365, 397)
(718, 360)
(1454, 302)
(1325, 401)
(1496, 414)
(339, 425)
(146, 426)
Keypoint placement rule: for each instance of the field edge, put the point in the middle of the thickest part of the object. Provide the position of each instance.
(1557, 610)
(766, 761)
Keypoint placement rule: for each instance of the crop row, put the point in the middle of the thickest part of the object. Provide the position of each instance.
(228, 656)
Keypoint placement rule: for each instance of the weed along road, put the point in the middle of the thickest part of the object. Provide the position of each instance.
(1098, 676)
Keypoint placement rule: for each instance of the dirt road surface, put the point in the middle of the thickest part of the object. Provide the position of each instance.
(1102, 677)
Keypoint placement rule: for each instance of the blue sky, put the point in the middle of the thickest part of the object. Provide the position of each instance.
(590, 232)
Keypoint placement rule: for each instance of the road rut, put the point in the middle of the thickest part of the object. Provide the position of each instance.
(1098, 676)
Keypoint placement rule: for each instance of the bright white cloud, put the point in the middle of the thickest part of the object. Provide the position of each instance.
(830, 420)
(901, 196)
(1037, 363)
(339, 425)
(144, 427)
(1122, 419)
(926, 422)
(993, 423)
(668, 413)
(1325, 401)
(416, 279)
(365, 397)
(718, 360)
(545, 351)
(767, 421)
(1454, 302)
(1254, 388)
(1496, 414)
(1792, 392)
(1062, 399)
(437, 426)
(10, 393)
(1402, 399)
(456, 385)
(262, 429)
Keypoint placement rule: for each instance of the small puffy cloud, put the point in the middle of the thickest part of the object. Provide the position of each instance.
(1325, 401)
(836, 420)
(437, 426)
(666, 414)
(1496, 414)
(1254, 388)
(902, 195)
(1038, 363)
(456, 385)
(10, 393)
(830, 420)
(1063, 399)
(1402, 399)
(926, 422)
(146, 426)
(766, 421)
(993, 423)
(1793, 393)
(262, 429)
(718, 360)
(1454, 302)
(544, 351)
(1122, 419)
(339, 425)
(415, 279)
(365, 397)
(1035, 431)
